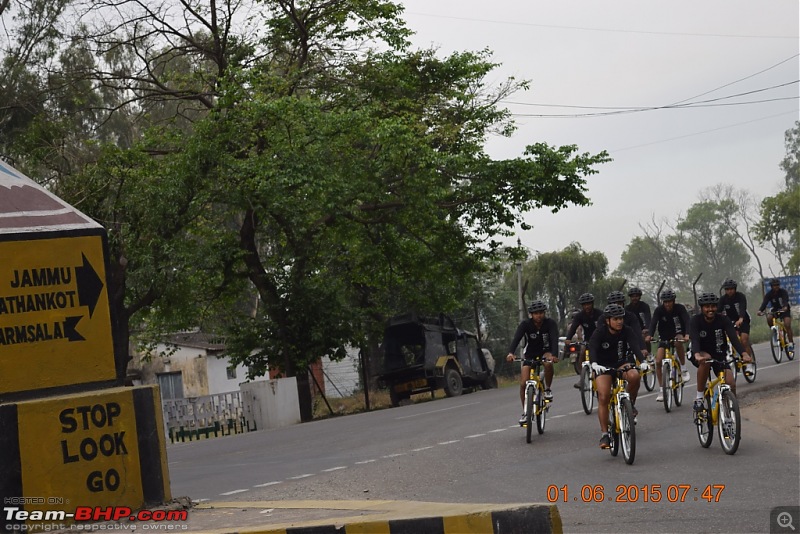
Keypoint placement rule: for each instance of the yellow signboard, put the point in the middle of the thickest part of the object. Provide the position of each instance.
(83, 449)
(55, 324)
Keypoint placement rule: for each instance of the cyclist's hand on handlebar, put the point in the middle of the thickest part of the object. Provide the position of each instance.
(510, 357)
(759, 313)
(599, 369)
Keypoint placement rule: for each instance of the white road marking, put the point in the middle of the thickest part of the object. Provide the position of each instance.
(474, 436)
(422, 448)
(267, 511)
(298, 477)
(395, 455)
(364, 462)
(265, 484)
(234, 491)
(500, 429)
(449, 442)
(436, 411)
(334, 469)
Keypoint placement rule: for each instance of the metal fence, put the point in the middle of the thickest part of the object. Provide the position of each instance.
(202, 417)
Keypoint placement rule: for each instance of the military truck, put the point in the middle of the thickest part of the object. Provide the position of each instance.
(423, 354)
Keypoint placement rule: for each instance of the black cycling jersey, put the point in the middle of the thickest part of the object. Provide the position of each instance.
(667, 324)
(776, 299)
(734, 307)
(588, 321)
(632, 322)
(712, 337)
(539, 339)
(613, 349)
(642, 311)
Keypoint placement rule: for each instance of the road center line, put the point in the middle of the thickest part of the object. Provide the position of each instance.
(474, 436)
(265, 484)
(422, 448)
(449, 442)
(435, 411)
(298, 477)
(364, 462)
(234, 491)
(334, 469)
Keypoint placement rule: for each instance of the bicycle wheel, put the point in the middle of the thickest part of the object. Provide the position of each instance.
(666, 387)
(729, 423)
(650, 378)
(612, 429)
(587, 391)
(789, 354)
(627, 432)
(541, 410)
(735, 369)
(677, 388)
(705, 430)
(750, 370)
(529, 394)
(775, 346)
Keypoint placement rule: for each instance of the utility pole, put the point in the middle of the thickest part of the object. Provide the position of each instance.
(521, 300)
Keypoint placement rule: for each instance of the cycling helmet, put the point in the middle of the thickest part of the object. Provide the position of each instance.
(774, 282)
(615, 297)
(708, 298)
(614, 310)
(537, 306)
(586, 298)
(667, 294)
(729, 283)
(634, 291)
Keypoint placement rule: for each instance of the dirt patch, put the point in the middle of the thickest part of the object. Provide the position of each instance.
(777, 409)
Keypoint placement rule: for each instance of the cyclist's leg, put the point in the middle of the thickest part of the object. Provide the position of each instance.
(680, 350)
(633, 377)
(523, 377)
(729, 379)
(703, 370)
(603, 383)
(659, 358)
(787, 322)
(548, 374)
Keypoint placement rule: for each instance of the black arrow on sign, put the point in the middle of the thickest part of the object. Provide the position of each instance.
(89, 285)
(69, 328)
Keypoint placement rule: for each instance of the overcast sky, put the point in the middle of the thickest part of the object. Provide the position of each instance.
(633, 54)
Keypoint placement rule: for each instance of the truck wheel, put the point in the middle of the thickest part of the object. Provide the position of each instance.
(452, 383)
(397, 398)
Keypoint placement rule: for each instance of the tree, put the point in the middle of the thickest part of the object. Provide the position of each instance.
(561, 277)
(779, 225)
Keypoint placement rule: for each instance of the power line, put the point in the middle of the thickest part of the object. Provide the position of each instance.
(614, 151)
(627, 110)
(611, 30)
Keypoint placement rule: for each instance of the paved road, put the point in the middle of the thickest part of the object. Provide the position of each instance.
(468, 449)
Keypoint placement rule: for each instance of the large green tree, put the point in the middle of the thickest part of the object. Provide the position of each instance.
(779, 226)
(559, 278)
(308, 153)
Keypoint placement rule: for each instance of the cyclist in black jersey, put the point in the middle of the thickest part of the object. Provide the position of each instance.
(586, 319)
(710, 333)
(778, 300)
(541, 336)
(733, 305)
(671, 321)
(611, 346)
(630, 320)
(639, 308)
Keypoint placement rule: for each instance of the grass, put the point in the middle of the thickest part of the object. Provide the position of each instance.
(507, 376)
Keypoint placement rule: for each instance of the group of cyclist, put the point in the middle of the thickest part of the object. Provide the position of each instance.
(618, 339)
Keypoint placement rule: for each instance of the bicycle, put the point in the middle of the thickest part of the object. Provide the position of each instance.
(648, 371)
(621, 426)
(720, 409)
(588, 386)
(747, 369)
(777, 339)
(671, 378)
(536, 406)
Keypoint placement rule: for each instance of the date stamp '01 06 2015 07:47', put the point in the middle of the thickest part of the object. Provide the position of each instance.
(638, 494)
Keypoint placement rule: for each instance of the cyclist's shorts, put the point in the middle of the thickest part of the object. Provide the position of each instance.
(744, 328)
(717, 366)
(781, 314)
(533, 362)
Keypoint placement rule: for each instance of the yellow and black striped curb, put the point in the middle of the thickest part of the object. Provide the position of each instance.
(388, 517)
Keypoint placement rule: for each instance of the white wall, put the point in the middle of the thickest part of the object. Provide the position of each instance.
(271, 403)
(341, 378)
(218, 381)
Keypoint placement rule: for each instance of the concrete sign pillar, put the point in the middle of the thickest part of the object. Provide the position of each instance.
(70, 435)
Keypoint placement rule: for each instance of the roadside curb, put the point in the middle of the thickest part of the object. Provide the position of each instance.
(384, 517)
